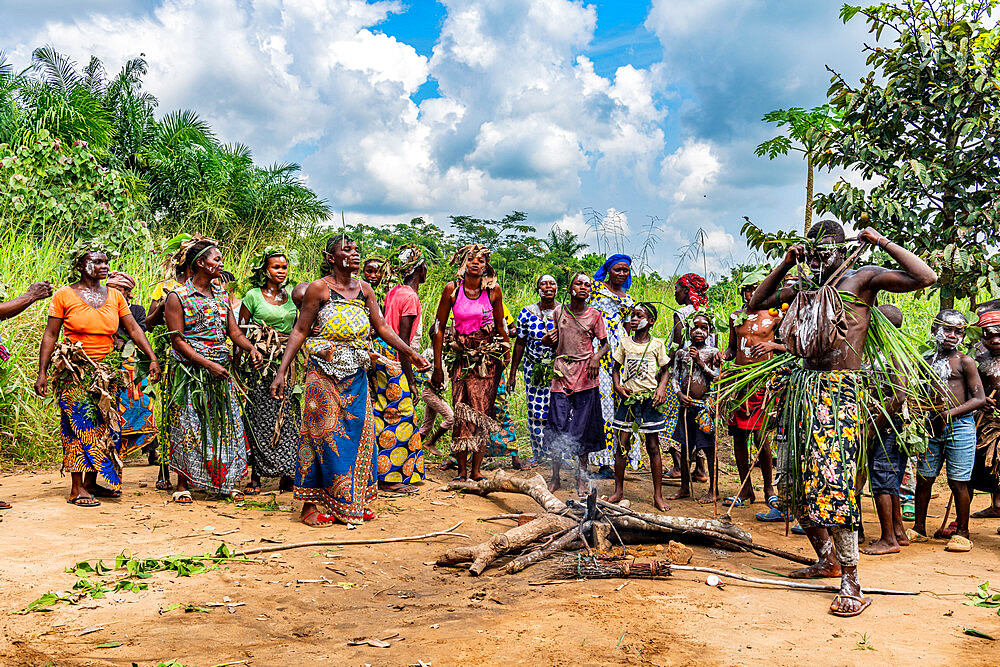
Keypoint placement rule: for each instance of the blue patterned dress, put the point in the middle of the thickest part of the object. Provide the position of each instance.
(532, 324)
(615, 309)
(221, 463)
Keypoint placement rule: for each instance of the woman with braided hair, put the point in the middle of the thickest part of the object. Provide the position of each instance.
(336, 464)
(477, 352)
(207, 443)
(89, 314)
(272, 427)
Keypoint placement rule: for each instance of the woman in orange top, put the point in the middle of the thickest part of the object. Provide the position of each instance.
(90, 314)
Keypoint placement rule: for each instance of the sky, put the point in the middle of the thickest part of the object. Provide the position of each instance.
(642, 114)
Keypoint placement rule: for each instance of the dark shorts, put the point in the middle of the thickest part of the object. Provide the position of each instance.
(886, 461)
(692, 436)
(575, 426)
(642, 414)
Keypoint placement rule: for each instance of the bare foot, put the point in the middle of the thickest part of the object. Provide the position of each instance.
(432, 451)
(880, 548)
(682, 493)
(312, 517)
(699, 476)
(992, 512)
(902, 540)
(818, 570)
(708, 498)
(582, 489)
(616, 496)
(659, 504)
(555, 484)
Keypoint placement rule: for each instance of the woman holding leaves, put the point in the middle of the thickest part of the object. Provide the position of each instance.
(336, 464)
(400, 448)
(610, 297)
(88, 375)
(532, 324)
(267, 314)
(207, 443)
(477, 350)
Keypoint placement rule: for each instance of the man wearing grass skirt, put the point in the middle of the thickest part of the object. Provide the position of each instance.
(824, 440)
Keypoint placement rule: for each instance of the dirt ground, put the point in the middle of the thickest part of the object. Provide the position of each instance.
(444, 616)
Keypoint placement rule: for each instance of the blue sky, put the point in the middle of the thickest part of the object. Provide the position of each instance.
(559, 108)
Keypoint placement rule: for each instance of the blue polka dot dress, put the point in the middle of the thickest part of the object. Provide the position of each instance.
(532, 324)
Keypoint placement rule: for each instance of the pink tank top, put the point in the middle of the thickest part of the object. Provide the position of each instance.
(471, 316)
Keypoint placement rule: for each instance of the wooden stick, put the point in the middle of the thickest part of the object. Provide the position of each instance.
(335, 543)
(522, 562)
(786, 584)
(947, 512)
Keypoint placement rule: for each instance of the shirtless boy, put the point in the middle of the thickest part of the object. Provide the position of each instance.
(984, 476)
(825, 515)
(695, 368)
(953, 430)
(751, 340)
(886, 460)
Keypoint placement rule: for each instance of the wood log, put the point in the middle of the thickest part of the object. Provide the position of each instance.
(680, 523)
(534, 487)
(528, 559)
(482, 555)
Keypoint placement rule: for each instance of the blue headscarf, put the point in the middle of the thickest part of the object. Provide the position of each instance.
(602, 272)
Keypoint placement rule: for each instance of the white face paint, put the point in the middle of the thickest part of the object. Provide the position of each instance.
(346, 263)
(643, 324)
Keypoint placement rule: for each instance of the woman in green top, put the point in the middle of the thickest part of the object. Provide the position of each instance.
(272, 426)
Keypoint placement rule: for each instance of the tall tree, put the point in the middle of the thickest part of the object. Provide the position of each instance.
(807, 130)
(922, 127)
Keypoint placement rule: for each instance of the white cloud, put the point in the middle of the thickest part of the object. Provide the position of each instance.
(693, 168)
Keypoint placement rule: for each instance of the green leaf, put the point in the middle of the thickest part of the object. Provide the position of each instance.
(109, 644)
(972, 632)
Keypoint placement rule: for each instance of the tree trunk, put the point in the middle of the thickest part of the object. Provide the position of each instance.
(809, 192)
(534, 487)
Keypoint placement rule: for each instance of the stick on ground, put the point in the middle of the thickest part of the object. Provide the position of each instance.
(337, 543)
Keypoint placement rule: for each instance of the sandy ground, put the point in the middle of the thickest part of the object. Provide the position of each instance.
(444, 616)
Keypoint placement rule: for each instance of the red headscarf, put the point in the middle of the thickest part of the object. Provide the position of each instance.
(697, 288)
(990, 318)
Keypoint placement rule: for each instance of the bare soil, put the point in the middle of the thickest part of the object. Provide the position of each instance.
(444, 616)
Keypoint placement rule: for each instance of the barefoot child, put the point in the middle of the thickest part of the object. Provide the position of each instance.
(886, 460)
(637, 363)
(751, 340)
(695, 368)
(986, 471)
(953, 430)
(575, 424)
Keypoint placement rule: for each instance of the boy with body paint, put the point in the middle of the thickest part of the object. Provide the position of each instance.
(752, 340)
(638, 361)
(986, 471)
(953, 430)
(695, 368)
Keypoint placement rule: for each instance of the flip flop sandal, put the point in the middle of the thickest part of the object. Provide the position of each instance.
(604, 472)
(251, 489)
(773, 515)
(865, 603)
(4, 505)
(734, 501)
(772, 501)
(164, 485)
(798, 530)
(909, 511)
(450, 464)
(915, 537)
(321, 519)
(236, 496)
(460, 479)
(182, 497)
(84, 501)
(481, 478)
(948, 531)
(959, 544)
(368, 515)
(101, 492)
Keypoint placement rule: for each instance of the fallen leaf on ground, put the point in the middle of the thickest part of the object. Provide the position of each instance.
(88, 630)
(109, 645)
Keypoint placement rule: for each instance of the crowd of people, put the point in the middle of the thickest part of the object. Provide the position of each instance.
(318, 384)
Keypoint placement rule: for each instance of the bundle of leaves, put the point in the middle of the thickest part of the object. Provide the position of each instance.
(102, 381)
(476, 359)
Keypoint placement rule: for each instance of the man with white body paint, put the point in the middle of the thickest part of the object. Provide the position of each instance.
(828, 509)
